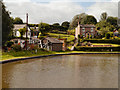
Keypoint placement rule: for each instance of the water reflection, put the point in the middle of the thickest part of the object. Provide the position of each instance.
(74, 71)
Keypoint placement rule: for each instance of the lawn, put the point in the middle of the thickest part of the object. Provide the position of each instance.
(62, 36)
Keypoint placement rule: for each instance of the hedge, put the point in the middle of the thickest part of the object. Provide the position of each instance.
(112, 41)
(79, 48)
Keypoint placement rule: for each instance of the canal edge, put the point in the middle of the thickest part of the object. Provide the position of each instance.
(21, 59)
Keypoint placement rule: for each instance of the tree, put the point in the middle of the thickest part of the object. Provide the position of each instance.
(56, 24)
(103, 27)
(65, 24)
(6, 24)
(89, 19)
(22, 32)
(44, 28)
(112, 21)
(103, 16)
(76, 19)
(18, 20)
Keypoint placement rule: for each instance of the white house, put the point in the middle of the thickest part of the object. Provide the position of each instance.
(16, 32)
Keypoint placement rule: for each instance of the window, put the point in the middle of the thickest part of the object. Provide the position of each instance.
(91, 29)
(92, 34)
(16, 41)
(83, 29)
(83, 34)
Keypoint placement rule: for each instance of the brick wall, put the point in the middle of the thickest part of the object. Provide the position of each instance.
(57, 46)
(87, 30)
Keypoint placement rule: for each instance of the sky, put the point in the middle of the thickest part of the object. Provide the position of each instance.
(58, 11)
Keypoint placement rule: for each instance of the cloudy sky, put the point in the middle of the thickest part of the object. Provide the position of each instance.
(52, 11)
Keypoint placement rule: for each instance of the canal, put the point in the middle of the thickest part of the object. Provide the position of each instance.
(67, 71)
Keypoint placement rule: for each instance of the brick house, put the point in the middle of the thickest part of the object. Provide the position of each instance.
(64, 44)
(52, 44)
(85, 30)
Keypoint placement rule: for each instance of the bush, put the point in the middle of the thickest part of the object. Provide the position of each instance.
(17, 48)
(33, 47)
(9, 43)
(107, 35)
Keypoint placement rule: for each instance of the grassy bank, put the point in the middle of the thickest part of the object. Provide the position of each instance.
(22, 54)
(62, 36)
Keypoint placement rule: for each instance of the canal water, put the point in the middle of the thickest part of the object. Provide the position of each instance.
(68, 71)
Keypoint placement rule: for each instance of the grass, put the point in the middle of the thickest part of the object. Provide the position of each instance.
(23, 54)
(115, 45)
(62, 36)
(69, 47)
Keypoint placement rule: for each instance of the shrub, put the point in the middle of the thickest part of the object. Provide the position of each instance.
(107, 35)
(9, 43)
(34, 47)
(17, 48)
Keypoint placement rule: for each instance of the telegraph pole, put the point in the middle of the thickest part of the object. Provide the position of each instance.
(26, 29)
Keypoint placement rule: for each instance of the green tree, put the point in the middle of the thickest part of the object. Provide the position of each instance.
(44, 28)
(56, 24)
(65, 24)
(18, 20)
(103, 27)
(103, 16)
(112, 21)
(76, 19)
(22, 32)
(89, 19)
(6, 24)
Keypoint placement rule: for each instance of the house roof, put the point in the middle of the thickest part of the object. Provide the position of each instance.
(19, 26)
(17, 39)
(115, 31)
(53, 40)
(87, 26)
(33, 38)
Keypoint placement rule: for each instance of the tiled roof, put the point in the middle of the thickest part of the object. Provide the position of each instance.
(87, 26)
(53, 40)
